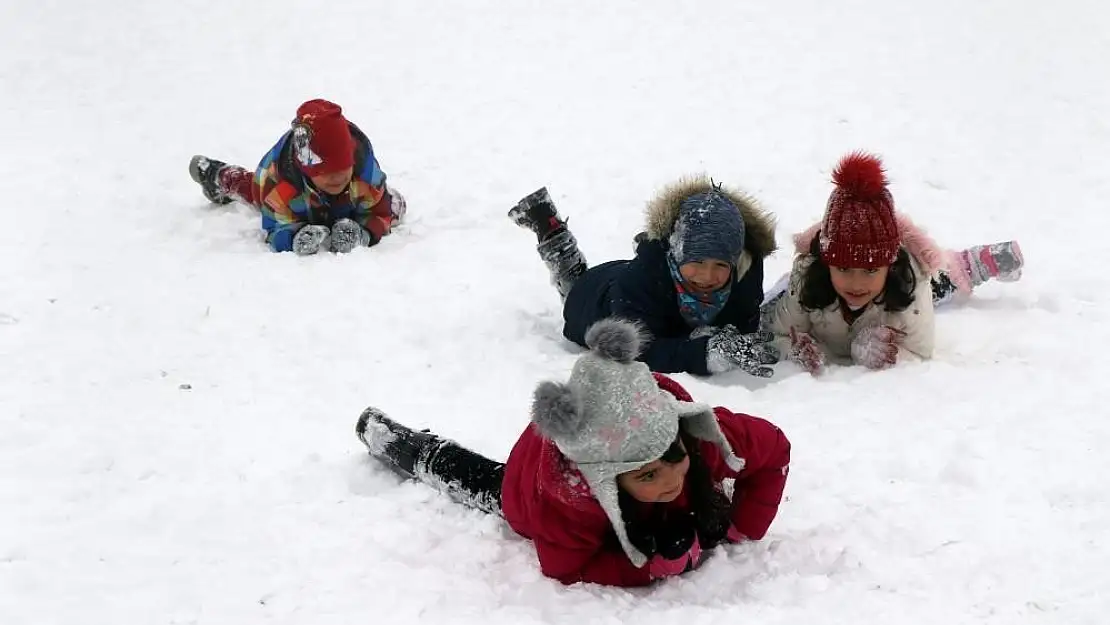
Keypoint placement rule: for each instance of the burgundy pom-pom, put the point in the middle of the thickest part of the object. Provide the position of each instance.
(861, 175)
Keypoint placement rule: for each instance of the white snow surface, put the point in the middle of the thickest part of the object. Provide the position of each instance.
(178, 403)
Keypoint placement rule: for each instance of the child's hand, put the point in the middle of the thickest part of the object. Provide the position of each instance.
(734, 535)
(311, 239)
(876, 347)
(346, 235)
(676, 558)
(805, 351)
(728, 349)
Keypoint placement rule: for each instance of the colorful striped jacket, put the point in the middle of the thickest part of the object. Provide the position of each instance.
(288, 201)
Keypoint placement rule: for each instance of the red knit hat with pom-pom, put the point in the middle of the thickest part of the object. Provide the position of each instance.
(322, 141)
(859, 230)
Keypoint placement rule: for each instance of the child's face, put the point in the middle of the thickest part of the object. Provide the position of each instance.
(706, 276)
(335, 182)
(858, 287)
(655, 482)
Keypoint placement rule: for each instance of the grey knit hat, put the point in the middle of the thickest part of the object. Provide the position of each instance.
(708, 226)
(611, 417)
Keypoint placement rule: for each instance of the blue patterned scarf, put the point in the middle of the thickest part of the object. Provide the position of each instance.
(698, 309)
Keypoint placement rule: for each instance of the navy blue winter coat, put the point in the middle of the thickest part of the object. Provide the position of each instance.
(642, 289)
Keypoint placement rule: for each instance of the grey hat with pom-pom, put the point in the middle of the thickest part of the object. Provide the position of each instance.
(611, 417)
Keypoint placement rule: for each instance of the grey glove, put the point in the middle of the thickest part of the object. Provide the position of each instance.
(728, 349)
(311, 239)
(346, 235)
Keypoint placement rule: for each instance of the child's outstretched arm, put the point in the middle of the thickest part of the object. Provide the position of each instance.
(788, 313)
(375, 208)
(279, 221)
(766, 453)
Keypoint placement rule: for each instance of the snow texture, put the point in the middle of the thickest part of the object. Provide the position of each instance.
(178, 401)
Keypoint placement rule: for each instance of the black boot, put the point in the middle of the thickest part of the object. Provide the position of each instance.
(399, 447)
(205, 171)
(537, 213)
(564, 260)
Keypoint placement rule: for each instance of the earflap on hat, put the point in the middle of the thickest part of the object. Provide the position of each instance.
(700, 422)
(611, 417)
(603, 484)
(559, 415)
(322, 141)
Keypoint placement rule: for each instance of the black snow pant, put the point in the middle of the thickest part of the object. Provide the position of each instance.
(467, 477)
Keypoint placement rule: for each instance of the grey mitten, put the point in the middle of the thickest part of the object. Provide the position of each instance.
(729, 349)
(311, 239)
(346, 235)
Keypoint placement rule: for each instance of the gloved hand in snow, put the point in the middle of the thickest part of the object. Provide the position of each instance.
(876, 347)
(311, 239)
(677, 550)
(346, 235)
(734, 535)
(728, 349)
(805, 351)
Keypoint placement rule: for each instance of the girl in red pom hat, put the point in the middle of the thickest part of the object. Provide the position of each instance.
(318, 188)
(866, 279)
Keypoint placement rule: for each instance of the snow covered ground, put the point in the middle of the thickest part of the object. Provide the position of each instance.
(177, 403)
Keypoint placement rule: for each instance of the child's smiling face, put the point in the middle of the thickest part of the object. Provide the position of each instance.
(858, 287)
(706, 276)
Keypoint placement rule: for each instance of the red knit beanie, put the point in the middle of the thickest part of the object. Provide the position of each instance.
(859, 230)
(322, 142)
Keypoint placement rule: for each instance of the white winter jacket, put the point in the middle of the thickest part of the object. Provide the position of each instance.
(828, 326)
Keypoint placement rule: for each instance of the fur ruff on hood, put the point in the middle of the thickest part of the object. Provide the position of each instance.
(759, 225)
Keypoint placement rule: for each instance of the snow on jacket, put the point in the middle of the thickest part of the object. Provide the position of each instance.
(643, 290)
(544, 498)
(828, 325)
(288, 201)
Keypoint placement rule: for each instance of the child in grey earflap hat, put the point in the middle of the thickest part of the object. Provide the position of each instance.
(618, 479)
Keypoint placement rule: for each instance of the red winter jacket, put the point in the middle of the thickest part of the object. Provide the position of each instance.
(545, 499)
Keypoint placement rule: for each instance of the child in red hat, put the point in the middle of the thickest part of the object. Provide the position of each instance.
(866, 279)
(318, 188)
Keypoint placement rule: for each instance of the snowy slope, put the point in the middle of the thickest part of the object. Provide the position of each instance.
(177, 403)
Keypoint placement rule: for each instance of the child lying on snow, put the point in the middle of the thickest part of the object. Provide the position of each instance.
(696, 283)
(865, 279)
(618, 479)
(318, 188)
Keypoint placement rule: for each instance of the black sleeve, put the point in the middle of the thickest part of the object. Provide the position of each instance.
(637, 297)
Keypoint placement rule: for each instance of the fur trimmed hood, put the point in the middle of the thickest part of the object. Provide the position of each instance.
(662, 212)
